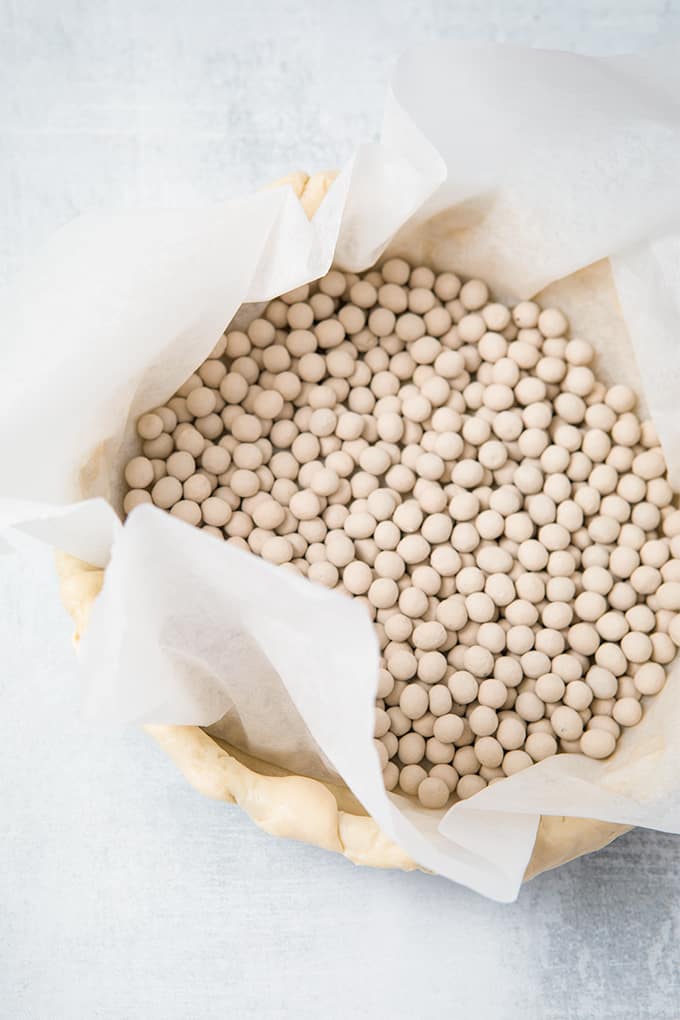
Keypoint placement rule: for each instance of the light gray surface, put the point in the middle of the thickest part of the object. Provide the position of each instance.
(123, 893)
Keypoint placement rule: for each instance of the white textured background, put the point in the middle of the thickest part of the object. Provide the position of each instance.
(124, 895)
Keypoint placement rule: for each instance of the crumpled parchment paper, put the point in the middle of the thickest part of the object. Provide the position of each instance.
(539, 171)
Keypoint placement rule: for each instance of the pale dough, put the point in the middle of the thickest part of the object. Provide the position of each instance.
(298, 807)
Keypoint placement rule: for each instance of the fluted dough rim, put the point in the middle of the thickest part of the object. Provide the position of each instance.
(298, 807)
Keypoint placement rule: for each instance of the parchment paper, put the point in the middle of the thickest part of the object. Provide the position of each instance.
(533, 169)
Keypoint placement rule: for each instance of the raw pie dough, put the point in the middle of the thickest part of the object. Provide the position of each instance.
(298, 807)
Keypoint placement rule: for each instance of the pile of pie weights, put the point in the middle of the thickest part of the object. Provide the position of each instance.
(456, 466)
